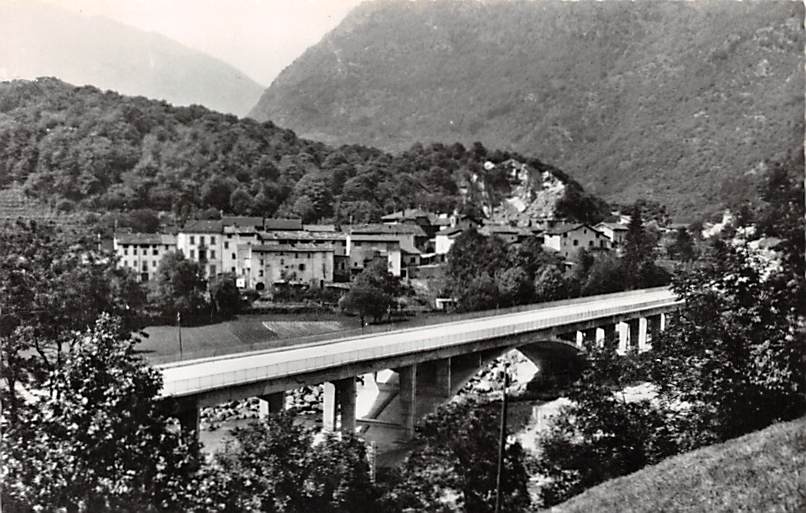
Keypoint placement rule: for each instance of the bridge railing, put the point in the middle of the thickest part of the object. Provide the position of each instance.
(300, 360)
(426, 320)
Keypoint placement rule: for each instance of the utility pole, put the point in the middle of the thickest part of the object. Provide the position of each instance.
(179, 331)
(501, 443)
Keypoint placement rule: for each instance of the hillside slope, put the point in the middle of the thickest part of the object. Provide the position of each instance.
(81, 147)
(657, 100)
(44, 40)
(762, 471)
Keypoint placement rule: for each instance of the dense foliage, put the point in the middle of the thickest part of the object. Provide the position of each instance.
(484, 273)
(81, 147)
(98, 440)
(730, 362)
(53, 284)
(676, 100)
(275, 466)
(453, 467)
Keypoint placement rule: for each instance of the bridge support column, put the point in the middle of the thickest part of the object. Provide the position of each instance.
(623, 330)
(339, 400)
(580, 338)
(653, 327)
(271, 403)
(189, 417)
(635, 329)
(433, 385)
(662, 322)
(643, 333)
(600, 337)
(408, 398)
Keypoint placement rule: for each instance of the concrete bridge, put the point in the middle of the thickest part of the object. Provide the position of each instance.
(429, 363)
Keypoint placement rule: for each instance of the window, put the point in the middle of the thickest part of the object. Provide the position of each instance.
(155, 251)
(125, 251)
(590, 243)
(233, 269)
(212, 239)
(201, 240)
(261, 261)
(192, 254)
(212, 253)
(212, 270)
(153, 263)
(134, 251)
(202, 254)
(260, 273)
(602, 243)
(226, 244)
(166, 247)
(282, 261)
(301, 267)
(233, 256)
(192, 239)
(145, 266)
(576, 242)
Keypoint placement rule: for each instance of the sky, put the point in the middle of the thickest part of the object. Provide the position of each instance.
(259, 37)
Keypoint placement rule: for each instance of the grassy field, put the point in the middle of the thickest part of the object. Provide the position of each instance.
(762, 471)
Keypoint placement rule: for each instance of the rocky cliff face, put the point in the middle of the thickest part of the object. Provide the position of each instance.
(515, 192)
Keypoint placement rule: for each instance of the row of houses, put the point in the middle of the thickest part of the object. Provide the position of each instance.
(262, 252)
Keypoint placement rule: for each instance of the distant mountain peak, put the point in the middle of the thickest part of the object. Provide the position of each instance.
(45, 40)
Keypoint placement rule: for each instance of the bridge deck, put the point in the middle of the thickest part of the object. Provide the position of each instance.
(198, 376)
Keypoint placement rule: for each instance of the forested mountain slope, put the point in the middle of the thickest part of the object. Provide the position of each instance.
(78, 146)
(44, 40)
(671, 101)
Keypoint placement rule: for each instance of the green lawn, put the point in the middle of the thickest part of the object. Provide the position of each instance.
(762, 471)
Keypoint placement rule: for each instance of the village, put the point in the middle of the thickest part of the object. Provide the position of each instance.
(265, 253)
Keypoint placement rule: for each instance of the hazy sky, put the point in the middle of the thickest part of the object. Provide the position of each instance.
(259, 37)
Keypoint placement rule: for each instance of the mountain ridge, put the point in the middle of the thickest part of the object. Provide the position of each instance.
(43, 40)
(661, 101)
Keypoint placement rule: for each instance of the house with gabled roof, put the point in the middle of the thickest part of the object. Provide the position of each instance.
(568, 239)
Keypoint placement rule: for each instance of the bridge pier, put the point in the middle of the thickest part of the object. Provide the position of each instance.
(623, 331)
(407, 395)
(600, 337)
(271, 403)
(189, 417)
(643, 335)
(339, 401)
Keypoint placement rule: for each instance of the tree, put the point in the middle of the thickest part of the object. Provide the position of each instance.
(240, 202)
(734, 354)
(682, 248)
(514, 286)
(549, 284)
(99, 440)
(638, 248)
(366, 301)
(225, 296)
(276, 467)
(456, 454)
(142, 220)
(52, 284)
(179, 287)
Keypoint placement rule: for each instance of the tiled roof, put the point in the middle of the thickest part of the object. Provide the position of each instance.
(282, 224)
(145, 238)
(319, 227)
(409, 213)
(559, 230)
(614, 226)
(375, 237)
(243, 221)
(406, 229)
(203, 226)
(406, 247)
(299, 248)
(302, 235)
